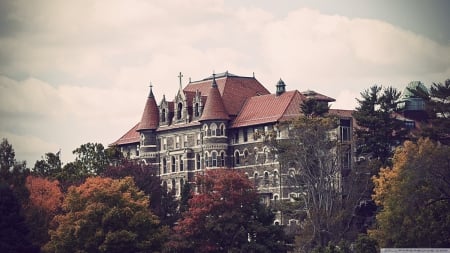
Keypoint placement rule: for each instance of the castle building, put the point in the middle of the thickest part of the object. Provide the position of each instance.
(220, 121)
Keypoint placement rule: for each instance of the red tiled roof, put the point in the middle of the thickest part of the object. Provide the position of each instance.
(150, 117)
(269, 108)
(214, 108)
(132, 136)
(235, 90)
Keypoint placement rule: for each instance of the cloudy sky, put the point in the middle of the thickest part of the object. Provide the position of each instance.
(73, 72)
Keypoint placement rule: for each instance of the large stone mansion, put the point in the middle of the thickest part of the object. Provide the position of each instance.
(215, 123)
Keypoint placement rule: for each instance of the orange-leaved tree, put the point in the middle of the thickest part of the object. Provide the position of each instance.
(105, 215)
(44, 202)
(415, 197)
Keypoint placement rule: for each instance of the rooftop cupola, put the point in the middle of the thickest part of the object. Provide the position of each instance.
(150, 117)
(214, 108)
(281, 87)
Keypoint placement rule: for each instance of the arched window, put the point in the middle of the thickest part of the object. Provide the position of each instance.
(214, 158)
(237, 159)
(198, 162)
(222, 130)
(213, 129)
(163, 115)
(206, 130)
(179, 109)
(206, 160)
(222, 159)
(164, 166)
(245, 153)
(173, 164)
(196, 110)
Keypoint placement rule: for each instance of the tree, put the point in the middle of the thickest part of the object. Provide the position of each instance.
(92, 158)
(105, 215)
(437, 126)
(226, 216)
(312, 107)
(13, 230)
(315, 174)
(162, 203)
(44, 203)
(49, 166)
(415, 197)
(379, 131)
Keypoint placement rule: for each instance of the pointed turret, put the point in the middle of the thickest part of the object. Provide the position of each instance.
(214, 108)
(150, 117)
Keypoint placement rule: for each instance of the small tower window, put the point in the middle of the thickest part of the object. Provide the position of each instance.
(179, 109)
(196, 110)
(163, 115)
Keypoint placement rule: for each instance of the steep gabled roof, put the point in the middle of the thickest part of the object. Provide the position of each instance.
(132, 136)
(234, 90)
(269, 108)
(150, 117)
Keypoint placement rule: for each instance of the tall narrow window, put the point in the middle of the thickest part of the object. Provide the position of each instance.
(213, 129)
(222, 159)
(164, 166)
(222, 130)
(163, 115)
(244, 130)
(198, 161)
(179, 109)
(181, 163)
(214, 159)
(173, 185)
(173, 164)
(206, 160)
(196, 110)
(237, 159)
(344, 128)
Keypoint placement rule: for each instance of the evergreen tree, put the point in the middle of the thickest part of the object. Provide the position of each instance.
(379, 131)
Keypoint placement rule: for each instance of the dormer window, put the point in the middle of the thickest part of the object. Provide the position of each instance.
(179, 109)
(163, 115)
(196, 110)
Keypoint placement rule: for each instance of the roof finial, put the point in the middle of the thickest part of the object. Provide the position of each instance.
(150, 95)
(180, 76)
(214, 84)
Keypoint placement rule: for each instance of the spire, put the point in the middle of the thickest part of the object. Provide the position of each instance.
(180, 76)
(150, 117)
(214, 108)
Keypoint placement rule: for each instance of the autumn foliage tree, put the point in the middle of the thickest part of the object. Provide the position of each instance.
(44, 202)
(415, 197)
(105, 215)
(226, 216)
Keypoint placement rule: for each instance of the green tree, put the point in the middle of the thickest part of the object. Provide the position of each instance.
(105, 215)
(14, 232)
(312, 107)
(415, 197)
(92, 158)
(379, 130)
(226, 216)
(162, 203)
(437, 126)
(49, 166)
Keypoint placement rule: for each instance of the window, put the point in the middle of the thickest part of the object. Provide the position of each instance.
(245, 134)
(198, 161)
(236, 137)
(214, 159)
(164, 166)
(179, 109)
(181, 163)
(177, 142)
(185, 143)
(164, 146)
(196, 110)
(346, 160)
(344, 130)
(206, 160)
(222, 130)
(213, 129)
(163, 115)
(173, 164)
(173, 185)
(222, 159)
(199, 139)
(237, 159)
(245, 153)
(181, 185)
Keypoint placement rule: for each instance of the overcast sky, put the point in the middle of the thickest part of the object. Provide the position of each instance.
(73, 72)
